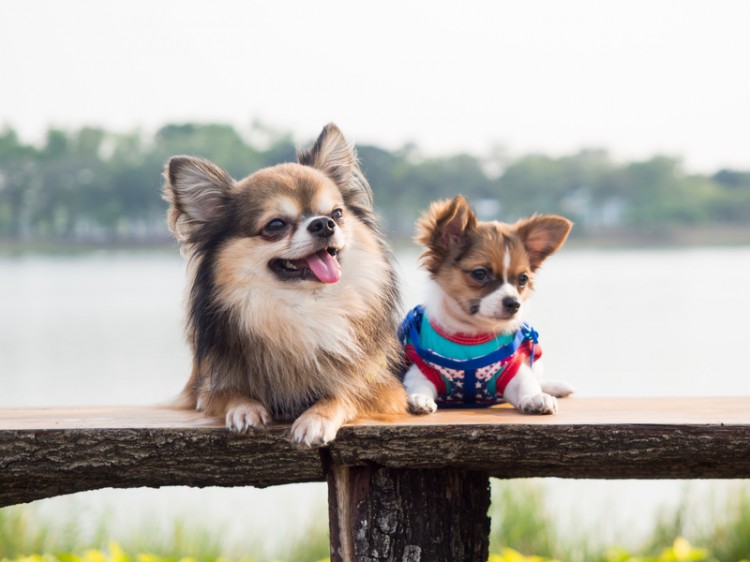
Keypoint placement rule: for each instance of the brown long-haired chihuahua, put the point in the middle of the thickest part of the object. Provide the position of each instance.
(292, 296)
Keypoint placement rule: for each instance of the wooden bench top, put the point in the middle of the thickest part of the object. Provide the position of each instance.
(51, 451)
(573, 411)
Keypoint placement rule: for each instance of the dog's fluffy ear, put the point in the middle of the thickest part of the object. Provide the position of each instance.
(542, 235)
(444, 228)
(197, 191)
(331, 154)
(336, 158)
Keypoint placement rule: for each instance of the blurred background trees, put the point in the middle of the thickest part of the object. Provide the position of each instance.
(92, 185)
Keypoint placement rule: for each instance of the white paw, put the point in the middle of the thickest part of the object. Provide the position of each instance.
(558, 389)
(246, 416)
(312, 430)
(419, 404)
(538, 404)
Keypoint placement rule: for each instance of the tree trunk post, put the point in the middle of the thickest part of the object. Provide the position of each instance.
(407, 515)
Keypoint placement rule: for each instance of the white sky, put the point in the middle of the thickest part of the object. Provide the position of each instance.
(636, 77)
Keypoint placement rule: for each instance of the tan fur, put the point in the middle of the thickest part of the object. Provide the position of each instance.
(441, 229)
(280, 346)
(207, 181)
(481, 273)
(456, 243)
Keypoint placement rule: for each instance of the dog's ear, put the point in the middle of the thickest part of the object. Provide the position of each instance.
(331, 154)
(336, 158)
(542, 235)
(197, 192)
(444, 228)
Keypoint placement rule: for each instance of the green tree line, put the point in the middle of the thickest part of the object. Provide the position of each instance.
(96, 185)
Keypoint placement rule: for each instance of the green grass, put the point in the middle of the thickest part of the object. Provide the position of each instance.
(729, 536)
(721, 531)
(24, 531)
(520, 519)
(523, 530)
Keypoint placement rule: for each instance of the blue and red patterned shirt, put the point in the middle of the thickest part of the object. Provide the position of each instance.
(467, 371)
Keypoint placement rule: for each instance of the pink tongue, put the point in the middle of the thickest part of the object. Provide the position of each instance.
(324, 266)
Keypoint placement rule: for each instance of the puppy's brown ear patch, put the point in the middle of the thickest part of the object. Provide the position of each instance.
(197, 191)
(444, 228)
(542, 235)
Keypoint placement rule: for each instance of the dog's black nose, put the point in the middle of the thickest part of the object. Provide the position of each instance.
(511, 305)
(322, 226)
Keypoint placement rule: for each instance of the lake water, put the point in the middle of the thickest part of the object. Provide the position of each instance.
(106, 328)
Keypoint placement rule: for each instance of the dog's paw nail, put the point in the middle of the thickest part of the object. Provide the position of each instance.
(313, 430)
(243, 418)
(420, 404)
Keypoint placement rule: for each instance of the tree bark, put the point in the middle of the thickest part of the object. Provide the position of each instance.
(401, 515)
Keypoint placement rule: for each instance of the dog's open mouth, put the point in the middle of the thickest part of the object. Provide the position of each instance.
(321, 266)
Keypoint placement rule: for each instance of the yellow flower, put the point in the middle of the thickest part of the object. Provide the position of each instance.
(93, 556)
(68, 557)
(116, 553)
(681, 548)
(32, 558)
(682, 551)
(145, 557)
(510, 555)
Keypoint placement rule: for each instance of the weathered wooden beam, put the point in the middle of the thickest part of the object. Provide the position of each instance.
(601, 438)
(48, 452)
(397, 515)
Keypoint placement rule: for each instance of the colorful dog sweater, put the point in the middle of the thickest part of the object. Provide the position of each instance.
(468, 371)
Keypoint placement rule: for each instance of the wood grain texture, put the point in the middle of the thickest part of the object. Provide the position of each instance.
(392, 515)
(48, 452)
(645, 438)
(101, 451)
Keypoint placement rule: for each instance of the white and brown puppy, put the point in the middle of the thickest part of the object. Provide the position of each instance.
(292, 296)
(468, 344)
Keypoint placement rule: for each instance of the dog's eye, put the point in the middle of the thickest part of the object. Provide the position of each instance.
(479, 274)
(337, 214)
(275, 226)
(523, 279)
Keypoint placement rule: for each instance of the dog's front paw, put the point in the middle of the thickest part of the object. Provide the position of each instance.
(314, 430)
(245, 416)
(419, 404)
(559, 389)
(538, 404)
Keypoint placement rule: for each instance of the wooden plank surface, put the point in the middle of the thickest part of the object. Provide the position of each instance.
(573, 411)
(47, 452)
